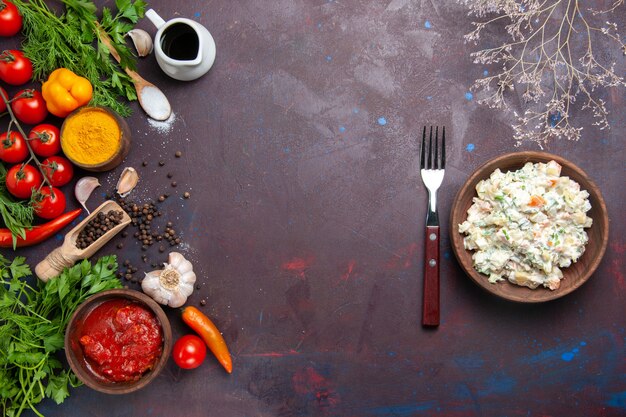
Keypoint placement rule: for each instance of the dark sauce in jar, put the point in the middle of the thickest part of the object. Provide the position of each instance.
(180, 41)
(121, 340)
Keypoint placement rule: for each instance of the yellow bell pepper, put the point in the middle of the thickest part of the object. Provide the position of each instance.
(65, 91)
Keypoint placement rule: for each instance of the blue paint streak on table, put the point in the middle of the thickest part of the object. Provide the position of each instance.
(300, 154)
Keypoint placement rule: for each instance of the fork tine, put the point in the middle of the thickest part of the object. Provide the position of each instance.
(430, 149)
(436, 159)
(443, 149)
(422, 157)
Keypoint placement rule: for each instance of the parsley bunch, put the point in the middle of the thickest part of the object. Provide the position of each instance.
(32, 327)
(70, 40)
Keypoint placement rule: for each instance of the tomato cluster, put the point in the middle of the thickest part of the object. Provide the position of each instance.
(25, 180)
(35, 169)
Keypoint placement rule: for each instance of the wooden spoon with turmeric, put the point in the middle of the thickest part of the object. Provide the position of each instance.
(151, 98)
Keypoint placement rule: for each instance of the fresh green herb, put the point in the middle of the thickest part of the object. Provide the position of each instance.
(17, 216)
(506, 234)
(33, 319)
(67, 41)
(498, 197)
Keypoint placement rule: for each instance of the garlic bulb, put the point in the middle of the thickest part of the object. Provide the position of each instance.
(171, 286)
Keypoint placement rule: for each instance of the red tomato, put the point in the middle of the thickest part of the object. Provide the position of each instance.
(13, 148)
(3, 104)
(22, 179)
(189, 351)
(50, 203)
(10, 19)
(45, 140)
(15, 68)
(29, 107)
(58, 170)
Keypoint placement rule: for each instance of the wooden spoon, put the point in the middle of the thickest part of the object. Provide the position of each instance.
(67, 254)
(151, 99)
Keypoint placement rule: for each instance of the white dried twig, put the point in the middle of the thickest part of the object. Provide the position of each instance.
(549, 59)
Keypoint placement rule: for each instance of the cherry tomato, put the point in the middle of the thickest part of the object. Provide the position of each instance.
(58, 170)
(45, 140)
(29, 107)
(10, 19)
(50, 203)
(3, 104)
(189, 351)
(13, 148)
(15, 68)
(22, 179)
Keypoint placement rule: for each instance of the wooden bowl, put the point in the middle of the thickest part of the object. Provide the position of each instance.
(575, 275)
(114, 160)
(74, 351)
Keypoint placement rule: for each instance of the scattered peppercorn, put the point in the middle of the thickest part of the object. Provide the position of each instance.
(178, 154)
(161, 163)
(186, 195)
(144, 163)
(202, 302)
(174, 184)
(142, 218)
(169, 175)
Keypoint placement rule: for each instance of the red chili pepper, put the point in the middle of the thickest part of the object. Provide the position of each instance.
(202, 325)
(38, 233)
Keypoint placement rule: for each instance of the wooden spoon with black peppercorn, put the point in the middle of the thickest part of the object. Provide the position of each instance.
(84, 239)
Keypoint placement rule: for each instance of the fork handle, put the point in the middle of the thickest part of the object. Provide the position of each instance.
(430, 307)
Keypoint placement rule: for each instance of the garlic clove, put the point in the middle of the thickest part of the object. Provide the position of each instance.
(83, 189)
(179, 262)
(186, 288)
(127, 182)
(142, 41)
(177, 300)
(151, 285)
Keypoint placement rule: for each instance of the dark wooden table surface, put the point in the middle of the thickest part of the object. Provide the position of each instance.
(305, 225)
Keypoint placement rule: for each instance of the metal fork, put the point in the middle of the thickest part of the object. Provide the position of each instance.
(432, 169)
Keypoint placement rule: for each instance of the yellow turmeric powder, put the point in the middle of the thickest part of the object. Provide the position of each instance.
(91, 136)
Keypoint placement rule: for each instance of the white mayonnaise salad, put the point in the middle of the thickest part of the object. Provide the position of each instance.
(525, 225)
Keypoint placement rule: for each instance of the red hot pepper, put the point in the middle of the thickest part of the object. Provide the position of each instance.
(38, 233)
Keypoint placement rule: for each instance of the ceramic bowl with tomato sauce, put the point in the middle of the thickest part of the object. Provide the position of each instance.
(118, 341)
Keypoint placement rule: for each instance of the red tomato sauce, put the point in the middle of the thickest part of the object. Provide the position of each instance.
(121, 340)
